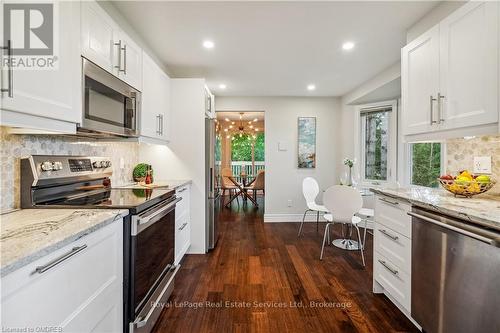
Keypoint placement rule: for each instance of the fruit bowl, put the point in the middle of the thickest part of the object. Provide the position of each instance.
(466, 188)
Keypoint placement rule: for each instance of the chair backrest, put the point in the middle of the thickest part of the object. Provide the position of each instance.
(225, 173)
(260, 180)
(343, 202)
(310, 190)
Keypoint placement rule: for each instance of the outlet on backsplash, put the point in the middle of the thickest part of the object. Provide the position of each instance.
(482, 164)
(124, 156)
(462, 154)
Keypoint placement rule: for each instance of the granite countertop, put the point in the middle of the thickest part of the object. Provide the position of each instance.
(29, 234)
(482, 209)
(172, 183)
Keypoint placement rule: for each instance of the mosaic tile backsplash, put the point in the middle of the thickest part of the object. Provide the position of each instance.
(461, 152)
(13, 147)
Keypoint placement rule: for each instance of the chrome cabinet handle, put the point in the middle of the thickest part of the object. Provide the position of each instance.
(394, 238)
(392, 270)
(124, 59)
(182, 190)
(57, 261)
(439, 99)
(10, 87)
(183, 226)
(119, 44)
(158, 124)
(431, 101)
(161, 124)
(394, 203)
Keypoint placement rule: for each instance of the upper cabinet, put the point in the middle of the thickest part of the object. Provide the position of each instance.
(48, 98)
(105, 44)
(209, 104)
(450, 73)
(155, 113)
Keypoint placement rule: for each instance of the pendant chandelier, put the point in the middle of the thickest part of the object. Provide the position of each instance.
(232, 130)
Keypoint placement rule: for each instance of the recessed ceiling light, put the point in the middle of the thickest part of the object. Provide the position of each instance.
(348, 45)
(208, 44)
(222, 86)
(311, 87)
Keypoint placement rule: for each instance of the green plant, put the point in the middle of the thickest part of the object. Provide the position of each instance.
(140, 170)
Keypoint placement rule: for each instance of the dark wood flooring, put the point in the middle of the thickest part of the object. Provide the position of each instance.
(261, 278)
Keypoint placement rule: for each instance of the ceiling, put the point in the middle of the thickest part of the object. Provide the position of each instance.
(275, 48)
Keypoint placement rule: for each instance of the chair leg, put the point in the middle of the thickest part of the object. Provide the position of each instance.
(360, 245)
(364, 233)
(324, 240)
(302, 223)
(317, 221)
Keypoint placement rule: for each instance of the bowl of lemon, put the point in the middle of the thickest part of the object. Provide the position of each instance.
(466, 184)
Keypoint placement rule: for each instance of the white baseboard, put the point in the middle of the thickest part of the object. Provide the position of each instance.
(310, 217)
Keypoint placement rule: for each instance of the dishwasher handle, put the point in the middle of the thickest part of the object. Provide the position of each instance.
(494, 241)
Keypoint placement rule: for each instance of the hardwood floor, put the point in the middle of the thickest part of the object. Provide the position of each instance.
(262, 278)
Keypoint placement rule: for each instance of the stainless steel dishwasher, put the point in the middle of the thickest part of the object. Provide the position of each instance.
(455, 283)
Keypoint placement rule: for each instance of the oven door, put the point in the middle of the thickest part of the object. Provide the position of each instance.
(153, 269)
(110, 106)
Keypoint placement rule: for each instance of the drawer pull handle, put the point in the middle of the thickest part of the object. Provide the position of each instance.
(57, 261)
(182, 190)
(183, 226)
(394, 203)
(383, 231)
(392, 270)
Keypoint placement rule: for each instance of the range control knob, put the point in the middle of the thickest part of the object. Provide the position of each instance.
(57, 166)
(46, 166)
(96, 164)
(107, 164)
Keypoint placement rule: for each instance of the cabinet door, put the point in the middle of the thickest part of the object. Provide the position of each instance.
(165, 106)
(128, 61)
(55, 92)
(151, 98)
(82, 293)
(420, 82)
(469, 66)
(98, 30)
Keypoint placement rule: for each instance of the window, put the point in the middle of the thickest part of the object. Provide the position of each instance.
(425, 161)
(376, 143)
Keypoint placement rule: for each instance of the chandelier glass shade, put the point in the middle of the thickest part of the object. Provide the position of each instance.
(232, 129)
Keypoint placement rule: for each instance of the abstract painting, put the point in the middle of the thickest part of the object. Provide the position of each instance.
(307, 142)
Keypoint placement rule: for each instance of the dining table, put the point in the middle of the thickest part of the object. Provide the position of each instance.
(241, 190)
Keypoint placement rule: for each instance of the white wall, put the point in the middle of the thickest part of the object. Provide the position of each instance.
(184, 157)
(283, 177)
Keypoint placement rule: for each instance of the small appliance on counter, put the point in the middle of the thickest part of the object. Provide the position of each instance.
(148, 232)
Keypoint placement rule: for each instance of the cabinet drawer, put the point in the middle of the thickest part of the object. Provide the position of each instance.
(393, 214)
(80, 293)
(182, 237)
(396, 282)
(183, 205)
(393, 246)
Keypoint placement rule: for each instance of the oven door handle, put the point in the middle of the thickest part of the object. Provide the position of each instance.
(141, 222)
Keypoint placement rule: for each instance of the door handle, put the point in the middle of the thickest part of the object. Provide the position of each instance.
(440, 116)
(10, 74)
(431, 102)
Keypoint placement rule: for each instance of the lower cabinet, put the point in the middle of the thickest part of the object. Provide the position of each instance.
(392, 251)
(82, 293)
(182, 223)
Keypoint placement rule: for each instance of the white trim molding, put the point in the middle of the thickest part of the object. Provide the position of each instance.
(295, 218)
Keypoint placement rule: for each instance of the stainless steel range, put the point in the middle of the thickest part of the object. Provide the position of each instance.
(84, 182)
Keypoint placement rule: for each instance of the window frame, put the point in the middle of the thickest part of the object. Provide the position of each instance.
(392, 147)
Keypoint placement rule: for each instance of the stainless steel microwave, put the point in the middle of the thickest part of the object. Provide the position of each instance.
(110, 106)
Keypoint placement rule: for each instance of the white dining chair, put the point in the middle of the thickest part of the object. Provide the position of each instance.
(366, 215)
(344, 202)
(310, 190)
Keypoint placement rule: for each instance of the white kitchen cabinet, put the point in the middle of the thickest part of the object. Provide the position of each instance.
(392, 251)
(450, 76)
(182, 223)
(104, 43)
(82, 293)
(155, 112)
(420, 82)
(128, 60)
(41, 98)
(98, 35)
(468, 70)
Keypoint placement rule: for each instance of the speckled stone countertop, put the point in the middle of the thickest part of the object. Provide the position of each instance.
(173, 183)
(482, 209)
(29, 234)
